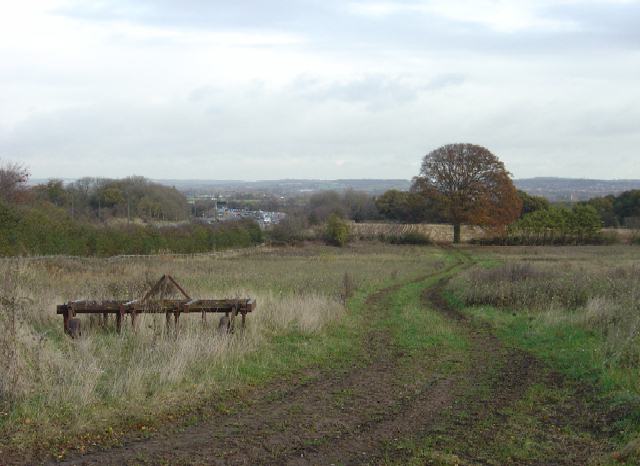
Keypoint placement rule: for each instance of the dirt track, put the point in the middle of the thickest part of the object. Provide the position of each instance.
(366, 415)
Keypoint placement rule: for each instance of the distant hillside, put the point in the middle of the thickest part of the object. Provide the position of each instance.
(554, 189)
(373, 186)
(574, 189)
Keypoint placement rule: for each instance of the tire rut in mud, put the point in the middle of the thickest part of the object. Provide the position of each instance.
(499, 377)
(362, 415)
(281, 425)
(506, 374)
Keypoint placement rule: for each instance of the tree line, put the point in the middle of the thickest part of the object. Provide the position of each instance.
(73, 219)
(103, 199)
(457, 184)
(467, 184)
(622, 210)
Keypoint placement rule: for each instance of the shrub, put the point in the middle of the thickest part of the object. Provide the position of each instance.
(555, 225)
(290, 230)
(337, 231)
(9, 220)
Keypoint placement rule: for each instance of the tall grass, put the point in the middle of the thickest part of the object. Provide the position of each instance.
(579, 310)
(51, 383)
(601, 297)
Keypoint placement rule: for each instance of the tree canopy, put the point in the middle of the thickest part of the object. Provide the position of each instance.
(101, 198)
(620, 210)
(627, 205)
(13, 182)
(532, 203)
(408, 207)
(355, 205)
(471, 184)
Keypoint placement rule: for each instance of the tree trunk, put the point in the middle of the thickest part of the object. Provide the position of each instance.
(456, 233)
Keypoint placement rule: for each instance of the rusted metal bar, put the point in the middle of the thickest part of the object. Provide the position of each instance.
(65, 318)
(160, 283)
(230, 307)
(232, 319)
(184, 293)
(176, 319)
(158, 307)
(119, 317)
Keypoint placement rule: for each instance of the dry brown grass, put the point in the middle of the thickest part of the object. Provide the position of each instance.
(596, 288)
(50, 381)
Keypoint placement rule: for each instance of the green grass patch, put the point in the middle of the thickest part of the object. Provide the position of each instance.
(416, 329)
(571, 349)
(578, 354)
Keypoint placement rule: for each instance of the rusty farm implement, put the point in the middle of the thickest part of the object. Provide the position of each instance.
(154, 302)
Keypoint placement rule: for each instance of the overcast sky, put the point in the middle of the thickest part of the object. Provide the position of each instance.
(261, 89)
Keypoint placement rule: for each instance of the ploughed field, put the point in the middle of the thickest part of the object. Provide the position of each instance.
(370, 354)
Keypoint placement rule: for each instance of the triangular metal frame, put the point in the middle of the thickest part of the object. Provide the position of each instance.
(163, 280)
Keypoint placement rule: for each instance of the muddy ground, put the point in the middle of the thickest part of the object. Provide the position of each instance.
(396, 408)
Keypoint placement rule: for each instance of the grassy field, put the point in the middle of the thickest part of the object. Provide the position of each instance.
(367, 336)
(577, 308)
(57, 392)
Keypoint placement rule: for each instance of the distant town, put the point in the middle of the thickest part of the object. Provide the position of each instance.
(208, 208)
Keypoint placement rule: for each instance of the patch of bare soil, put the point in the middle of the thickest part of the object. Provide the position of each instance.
(364, 415)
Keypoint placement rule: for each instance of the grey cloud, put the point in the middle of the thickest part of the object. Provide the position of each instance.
(200, 13)
(600, 25)
(614, 23)
(263, 136)
(376, 92)
(446, 80)
(204, 93)
(255, 133)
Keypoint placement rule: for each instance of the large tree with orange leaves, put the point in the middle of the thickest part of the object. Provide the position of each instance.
(470, 184)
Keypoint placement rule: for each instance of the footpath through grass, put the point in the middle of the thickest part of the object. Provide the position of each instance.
(578, 354)
(574, 309)
(299, 325)
(508, 407)
(419, 335)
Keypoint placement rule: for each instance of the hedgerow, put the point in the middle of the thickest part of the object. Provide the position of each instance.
(50, 231)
